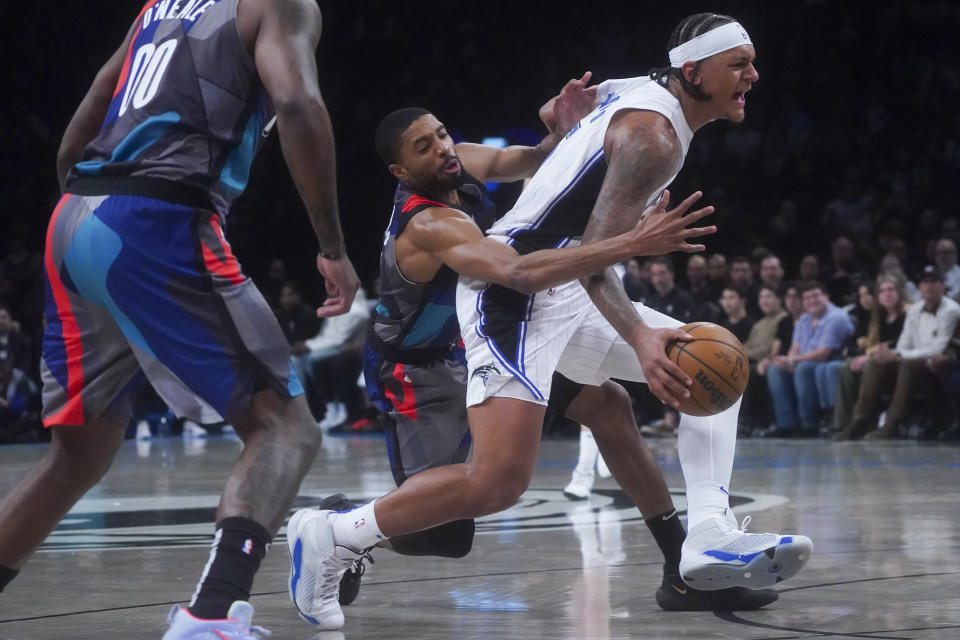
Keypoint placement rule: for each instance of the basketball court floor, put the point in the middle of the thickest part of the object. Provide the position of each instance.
(884, 518)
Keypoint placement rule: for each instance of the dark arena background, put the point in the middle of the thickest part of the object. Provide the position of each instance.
(848, 161)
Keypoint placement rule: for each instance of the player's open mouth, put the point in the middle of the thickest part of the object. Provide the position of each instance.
(740, 98)
(452, 167)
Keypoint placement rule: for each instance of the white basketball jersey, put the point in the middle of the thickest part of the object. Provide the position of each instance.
(557, 203)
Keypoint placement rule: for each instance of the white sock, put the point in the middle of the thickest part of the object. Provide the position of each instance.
(588, 452)
(356, 529)
(706, 447)
(706, 499)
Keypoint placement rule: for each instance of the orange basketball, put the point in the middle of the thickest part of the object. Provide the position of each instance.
(717, 364)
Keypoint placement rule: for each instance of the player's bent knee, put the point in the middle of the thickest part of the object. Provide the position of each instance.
(500, 495)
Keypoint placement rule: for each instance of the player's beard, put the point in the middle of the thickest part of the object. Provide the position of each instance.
(443, 182)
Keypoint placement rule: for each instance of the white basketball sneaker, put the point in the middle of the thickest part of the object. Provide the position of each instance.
(236, 626)
(718, 554)
(581, 482)
(316, 566)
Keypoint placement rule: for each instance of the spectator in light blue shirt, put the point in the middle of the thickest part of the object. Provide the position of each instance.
(799, 382)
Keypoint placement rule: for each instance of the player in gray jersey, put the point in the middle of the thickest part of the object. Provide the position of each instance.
(142, 284)
(598, 182)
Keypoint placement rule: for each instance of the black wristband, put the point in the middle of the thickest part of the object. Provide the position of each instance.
(330, 256)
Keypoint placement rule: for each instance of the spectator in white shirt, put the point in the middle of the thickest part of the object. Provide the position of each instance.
(927, 329)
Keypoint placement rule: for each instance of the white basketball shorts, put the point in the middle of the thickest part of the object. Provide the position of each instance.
(515, 342)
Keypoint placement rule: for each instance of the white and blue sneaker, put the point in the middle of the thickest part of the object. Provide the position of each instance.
(316, 566)
(236, 626)
(719, 554)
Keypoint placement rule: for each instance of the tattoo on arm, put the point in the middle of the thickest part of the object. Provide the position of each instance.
(642, 154)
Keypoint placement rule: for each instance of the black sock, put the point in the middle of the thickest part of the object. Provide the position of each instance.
(669, 533)
(237, 551)
(6, 575)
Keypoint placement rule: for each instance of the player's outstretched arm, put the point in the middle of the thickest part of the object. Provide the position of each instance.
(87, 120)
(643, 152)
(516, 162)
(439, 235)
(284, 50)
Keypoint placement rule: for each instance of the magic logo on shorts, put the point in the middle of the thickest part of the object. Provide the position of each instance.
(485, 372)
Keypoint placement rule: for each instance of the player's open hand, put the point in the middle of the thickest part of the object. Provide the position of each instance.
(565, 110)
(666, 380)
(341, 282)
(661, 231)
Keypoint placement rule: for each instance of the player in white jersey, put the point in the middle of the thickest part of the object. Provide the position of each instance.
(597, 183)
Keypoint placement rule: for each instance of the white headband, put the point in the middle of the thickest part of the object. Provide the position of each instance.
(710, 43)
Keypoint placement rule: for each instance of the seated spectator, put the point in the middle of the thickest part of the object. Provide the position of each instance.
(704, 293)
(891, 264)
(818, 337)
(19, 403)
(928, 327)
(947, 369)
(792, 304)
(809, 270)
(860, 317)
(718, 272)
(636, 280)
(734, 304)
(772, 334)
(666, 297)
(883, 328)
(741, 276)
(851, 211)
(945, 254)
(298, 320)
(272, 283)
(699, 286)
(333, 363)
(845, 274)
(762, 345)
(771, 273)
(12, 341)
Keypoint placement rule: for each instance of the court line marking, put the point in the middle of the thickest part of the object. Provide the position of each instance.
(813, 633)
(491, 575)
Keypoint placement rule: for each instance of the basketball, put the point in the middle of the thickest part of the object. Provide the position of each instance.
(717, 364)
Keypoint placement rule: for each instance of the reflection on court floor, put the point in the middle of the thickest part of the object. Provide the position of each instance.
(882, 516)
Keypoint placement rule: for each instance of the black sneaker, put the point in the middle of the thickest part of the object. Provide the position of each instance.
(337, 502)
(675, 595)
(350, 582)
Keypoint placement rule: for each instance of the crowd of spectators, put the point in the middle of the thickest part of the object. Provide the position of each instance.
(859, 357)
(843, 169)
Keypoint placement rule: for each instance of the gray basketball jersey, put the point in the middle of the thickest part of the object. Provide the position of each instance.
(188, 106)
(422, 316)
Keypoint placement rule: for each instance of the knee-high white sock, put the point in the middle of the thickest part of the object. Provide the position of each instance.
(706, 447)
(588, 452)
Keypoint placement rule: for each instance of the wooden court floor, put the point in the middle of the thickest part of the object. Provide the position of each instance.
(884, 518)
